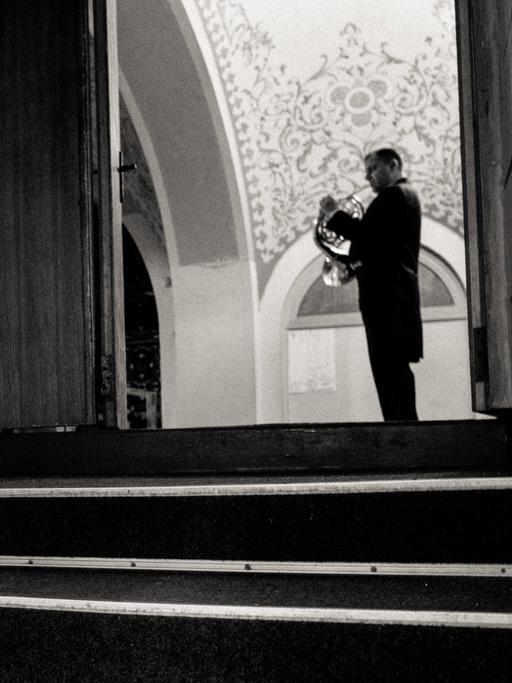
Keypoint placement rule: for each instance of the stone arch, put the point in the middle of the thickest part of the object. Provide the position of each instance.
(185, 136)
(158, 269)
(145, 212)
(278, 300)
(182, 107)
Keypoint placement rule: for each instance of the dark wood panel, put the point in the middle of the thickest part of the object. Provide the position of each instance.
(471, 191)
(486, 94)
(488, 117)
(370, 447)
(46, 336)
(505, 59)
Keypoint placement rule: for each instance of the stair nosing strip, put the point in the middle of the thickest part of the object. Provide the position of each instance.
(258, 566)
(330, 615)
(267, 489)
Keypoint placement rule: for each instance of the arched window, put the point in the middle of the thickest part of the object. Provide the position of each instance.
(441, 293)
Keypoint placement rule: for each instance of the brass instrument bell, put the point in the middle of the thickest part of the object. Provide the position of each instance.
(338, 269)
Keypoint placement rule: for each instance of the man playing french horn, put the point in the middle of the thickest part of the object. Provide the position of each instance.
(385, 245)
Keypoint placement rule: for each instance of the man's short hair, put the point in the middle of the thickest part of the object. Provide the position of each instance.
(387, 155)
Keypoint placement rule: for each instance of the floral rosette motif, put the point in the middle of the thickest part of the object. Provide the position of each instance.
(303, 137)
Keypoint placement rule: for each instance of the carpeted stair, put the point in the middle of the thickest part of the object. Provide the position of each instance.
(354, 553)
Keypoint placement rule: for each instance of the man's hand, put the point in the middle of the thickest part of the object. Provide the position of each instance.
(328, 205)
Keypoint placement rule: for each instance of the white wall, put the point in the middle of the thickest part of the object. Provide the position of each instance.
(354, 398)
(215, 381)
(442, 378)
(442, 386)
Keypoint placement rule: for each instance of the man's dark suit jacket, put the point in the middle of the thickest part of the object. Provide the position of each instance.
(386, 242)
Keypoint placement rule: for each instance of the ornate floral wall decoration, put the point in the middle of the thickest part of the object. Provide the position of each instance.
(303, 136)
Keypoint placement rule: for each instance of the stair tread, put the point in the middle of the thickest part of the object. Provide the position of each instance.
(119, 482)
(445, 594)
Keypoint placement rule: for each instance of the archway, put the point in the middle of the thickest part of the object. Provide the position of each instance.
(328, 373)
(142, 341)
(294, 274)
(172, 101)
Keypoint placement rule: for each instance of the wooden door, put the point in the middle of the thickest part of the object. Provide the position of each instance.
(53, 326)
(485, 75)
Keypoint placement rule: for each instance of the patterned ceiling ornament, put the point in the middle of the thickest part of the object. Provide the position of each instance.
(303, 136)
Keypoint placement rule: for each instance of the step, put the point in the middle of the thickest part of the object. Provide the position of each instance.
(431, 518)
(315, 448)
(181, 626)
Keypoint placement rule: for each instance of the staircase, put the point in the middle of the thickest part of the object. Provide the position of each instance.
(308, 553)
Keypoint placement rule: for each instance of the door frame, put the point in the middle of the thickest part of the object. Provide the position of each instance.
(484, 75)
(111, 352)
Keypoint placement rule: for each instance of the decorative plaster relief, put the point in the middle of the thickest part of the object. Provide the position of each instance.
(301, 136)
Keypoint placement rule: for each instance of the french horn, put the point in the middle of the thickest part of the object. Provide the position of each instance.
(338, 269)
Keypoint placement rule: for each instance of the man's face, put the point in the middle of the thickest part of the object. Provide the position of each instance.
(380, 174)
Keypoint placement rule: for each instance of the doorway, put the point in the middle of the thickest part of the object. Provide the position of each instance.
(327, 375)
(142, 341)
(278, 142)
(231, 231)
